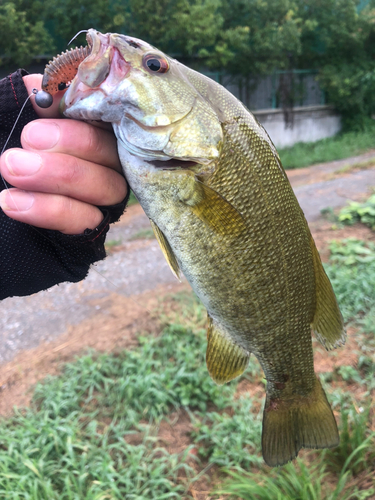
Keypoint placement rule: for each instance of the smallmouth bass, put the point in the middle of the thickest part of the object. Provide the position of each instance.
(223, 211)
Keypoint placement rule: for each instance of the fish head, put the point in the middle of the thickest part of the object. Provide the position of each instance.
(156, 104)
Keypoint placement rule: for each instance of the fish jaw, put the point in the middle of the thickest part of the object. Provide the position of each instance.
(114, 73)
(157, 117)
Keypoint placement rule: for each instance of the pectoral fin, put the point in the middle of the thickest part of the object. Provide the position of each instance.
(225, 359)
(327, 324)
(209, 206)
(166, 249)
(218, 213)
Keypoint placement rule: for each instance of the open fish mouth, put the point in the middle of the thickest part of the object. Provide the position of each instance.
(92, 65)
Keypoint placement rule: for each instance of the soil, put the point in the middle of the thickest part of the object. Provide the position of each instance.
(39, 334)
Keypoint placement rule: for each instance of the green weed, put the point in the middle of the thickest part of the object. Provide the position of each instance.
(164, 373)
(132, 199)
(350, 375)
(351, 270)
(229, 439)
(356, 450)
(340, 146)
(72, 443)
(143, 234)
(359, 212)
(78, 457)
(291, 482)
(110, 244)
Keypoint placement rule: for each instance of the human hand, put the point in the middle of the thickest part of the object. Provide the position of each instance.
(65, 169)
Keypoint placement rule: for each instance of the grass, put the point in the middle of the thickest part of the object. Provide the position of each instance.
(230, 439)
(111, 244)
(352, 274)
(338, 147)
(144, 234)
(132, 199)
(359, 212)
(92, 432)
(45, 456)
(292, 482)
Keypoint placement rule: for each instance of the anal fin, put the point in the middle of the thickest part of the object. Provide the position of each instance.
(166, 249)
(225, 359)
(327, 324)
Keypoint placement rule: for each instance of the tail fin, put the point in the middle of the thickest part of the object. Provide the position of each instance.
(294, 423)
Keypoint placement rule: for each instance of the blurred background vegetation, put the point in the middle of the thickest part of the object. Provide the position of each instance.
(335, 38)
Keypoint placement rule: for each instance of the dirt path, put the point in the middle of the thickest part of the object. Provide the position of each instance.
(333, 184)
(116, 300)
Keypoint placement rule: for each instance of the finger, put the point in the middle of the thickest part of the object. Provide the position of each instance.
(50, 211)
(73, 138)
(35, 82)
(63, 174)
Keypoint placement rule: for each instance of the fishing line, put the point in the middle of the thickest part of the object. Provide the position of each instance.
(7, 186)
(33, 92)
(75, 36)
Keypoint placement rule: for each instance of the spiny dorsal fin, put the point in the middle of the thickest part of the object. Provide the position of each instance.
(327, 324)
(297, 422)
(225, 359)
(167, 250)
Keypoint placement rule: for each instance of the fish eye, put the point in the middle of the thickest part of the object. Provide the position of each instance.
(155, 63)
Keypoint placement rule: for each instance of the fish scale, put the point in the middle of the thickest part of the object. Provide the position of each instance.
(210, 180)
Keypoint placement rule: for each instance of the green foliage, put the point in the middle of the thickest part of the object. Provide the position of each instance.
(144, 234)
(21, 39)
(359, 212)
(92, 431)
(297, 481)
(350, 374)
(357, 442)
(334, 37)
(229, 439)
(351, 270)
(65, 18)
(132, 199)
(55, 457)
(291, 482)
(333, 148)
(73, 443)
(350, 87)
(190, 28)
(164, 373)
(261, 35)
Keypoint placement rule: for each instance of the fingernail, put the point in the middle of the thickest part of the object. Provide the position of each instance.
(42, 135)
(22, 162)
(21, 201)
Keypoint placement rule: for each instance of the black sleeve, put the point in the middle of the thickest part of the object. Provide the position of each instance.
(33, 259)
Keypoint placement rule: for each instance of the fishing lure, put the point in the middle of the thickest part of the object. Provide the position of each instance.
(58, 73)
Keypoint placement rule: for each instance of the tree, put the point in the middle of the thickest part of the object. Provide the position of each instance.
(21, 40)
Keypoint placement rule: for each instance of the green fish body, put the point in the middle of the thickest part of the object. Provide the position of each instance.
(210, 180)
